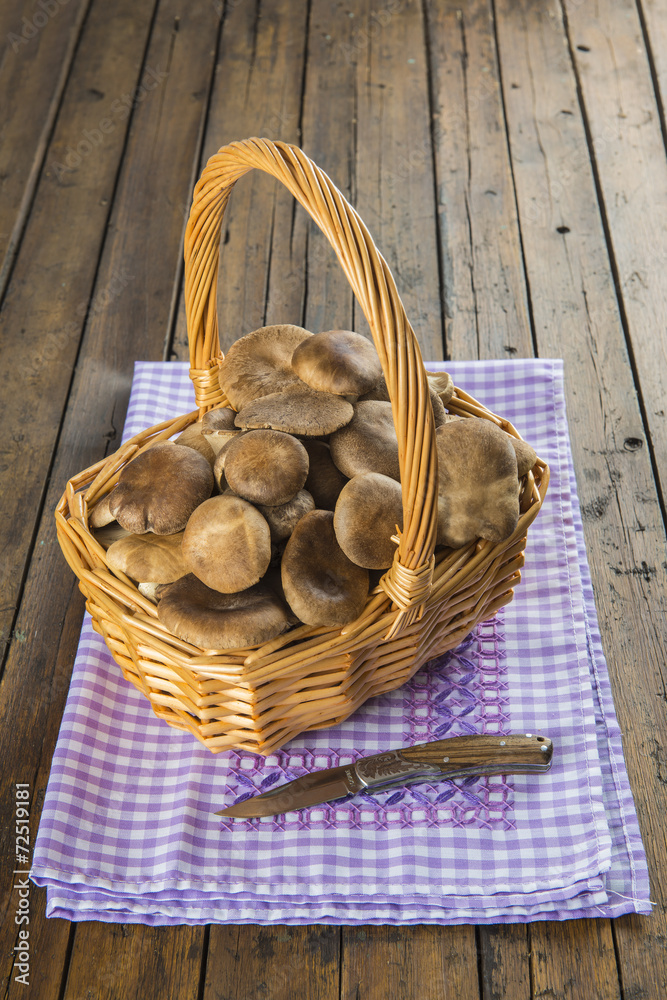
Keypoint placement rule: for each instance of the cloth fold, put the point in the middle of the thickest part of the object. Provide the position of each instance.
(128, 831)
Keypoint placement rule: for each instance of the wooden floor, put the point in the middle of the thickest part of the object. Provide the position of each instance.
(509, 158)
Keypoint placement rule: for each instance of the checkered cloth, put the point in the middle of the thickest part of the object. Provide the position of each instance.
(128, 831)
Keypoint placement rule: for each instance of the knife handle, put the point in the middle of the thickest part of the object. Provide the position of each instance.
(457, 757)
(517, 754)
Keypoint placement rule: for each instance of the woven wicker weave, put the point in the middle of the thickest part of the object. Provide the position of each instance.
(256, 699)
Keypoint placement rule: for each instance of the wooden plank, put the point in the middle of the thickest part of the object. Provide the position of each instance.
(504, 952)
(146, 240)
(44, 310)
(396, 199)
(275, 963)
(40, 42)
(133, 961)
(484, 287)
(261, 63)
(576, 317)
(425, 962)
(625, 130)
(654, 25)
(328, 137)
(574, 960)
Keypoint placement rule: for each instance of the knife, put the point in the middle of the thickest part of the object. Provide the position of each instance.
(456, 757)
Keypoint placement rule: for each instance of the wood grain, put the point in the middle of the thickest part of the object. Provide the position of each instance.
(40, 44)
(485, 294)
(43, 313)
(432, 963)
(577, 317)
(628, 145)
(274, 963)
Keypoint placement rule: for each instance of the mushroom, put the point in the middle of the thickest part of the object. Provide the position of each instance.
(227, 544)
(368, 443)
(192, 437)
(322, 586)
(478, 482)
(260, 364)
(442, 384)
(265, 466)
(211, 620)
(338, 361)
(100, 515)
(369, 509)
(283, 518)
(218, 427)
(525, 455)
(149, 558)
(299, 410)
(325, 480)
(381, 393)
(159, 489)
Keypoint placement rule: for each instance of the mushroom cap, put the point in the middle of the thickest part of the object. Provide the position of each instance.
(265, 466)
(478, 482)
(369, 508)
(325, 480)
(338, 361)
(368, 443)
(159, 489)
(211, 620)
(227, 544)
(525, 455)
(322, 586)
(380, 392)
(260, 363)
(192, 437)
(218, 427)
(150, 558)
(299, 410)
(442, 384)
(283, 518)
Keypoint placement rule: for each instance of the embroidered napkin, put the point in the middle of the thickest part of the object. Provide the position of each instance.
(128, 831)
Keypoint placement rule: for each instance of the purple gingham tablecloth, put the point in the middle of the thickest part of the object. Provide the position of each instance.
(128, 833)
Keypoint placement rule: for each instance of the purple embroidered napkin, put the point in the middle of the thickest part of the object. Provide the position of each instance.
(128, 831)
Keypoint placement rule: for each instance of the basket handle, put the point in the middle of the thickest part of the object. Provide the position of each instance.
(408, 581)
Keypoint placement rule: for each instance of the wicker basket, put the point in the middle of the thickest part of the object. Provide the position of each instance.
(312, 677)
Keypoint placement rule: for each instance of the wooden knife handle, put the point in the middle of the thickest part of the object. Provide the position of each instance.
(517, 753)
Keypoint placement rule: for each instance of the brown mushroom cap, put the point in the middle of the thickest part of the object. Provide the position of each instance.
(260, 364)
(159, 489)
(300, 410)
(265, 466)
(525, 455)
(325, 480)
(227, 544)
(338, 361)
(149, 558)
(380, 392)
(283, 519)
(192, 437)
(369, 508)
(218, 427)
(478, 482)
(368, 443)
(211, 620)
(322, 586)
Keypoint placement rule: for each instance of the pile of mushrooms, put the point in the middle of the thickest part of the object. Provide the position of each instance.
(281, 508)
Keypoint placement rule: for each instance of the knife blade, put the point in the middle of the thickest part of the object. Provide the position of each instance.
(455, 757)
